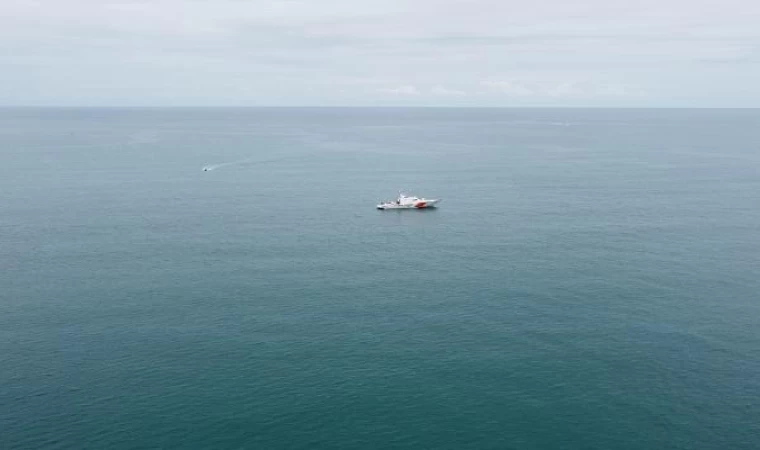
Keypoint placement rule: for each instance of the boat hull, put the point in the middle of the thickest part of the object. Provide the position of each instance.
(421, 204)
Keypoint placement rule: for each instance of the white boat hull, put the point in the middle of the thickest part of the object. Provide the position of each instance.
(418, 204)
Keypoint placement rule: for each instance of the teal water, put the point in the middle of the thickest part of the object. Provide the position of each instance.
(589, 282)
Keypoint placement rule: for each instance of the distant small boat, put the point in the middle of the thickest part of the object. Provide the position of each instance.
(409, 202)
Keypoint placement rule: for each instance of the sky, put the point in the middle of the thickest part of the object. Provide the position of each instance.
(505, 53)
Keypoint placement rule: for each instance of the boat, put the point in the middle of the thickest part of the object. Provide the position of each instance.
(409, 202)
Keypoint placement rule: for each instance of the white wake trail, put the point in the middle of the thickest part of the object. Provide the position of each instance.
(247, 161)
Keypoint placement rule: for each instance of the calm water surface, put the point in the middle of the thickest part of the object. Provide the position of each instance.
(590, 281)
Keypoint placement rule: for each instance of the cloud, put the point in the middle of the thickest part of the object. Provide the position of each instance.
(401, 90)
(283, 52)
(509, 87)
(589, 89)
(565, 89)
(557, 89)
(442, 91)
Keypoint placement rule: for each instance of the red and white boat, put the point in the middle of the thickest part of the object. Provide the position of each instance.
(409, 202)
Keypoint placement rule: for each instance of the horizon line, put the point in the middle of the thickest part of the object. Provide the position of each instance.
(355, 107)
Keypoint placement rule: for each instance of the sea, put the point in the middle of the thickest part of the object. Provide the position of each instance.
(591, 279)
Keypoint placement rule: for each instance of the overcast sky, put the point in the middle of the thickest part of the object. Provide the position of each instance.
(381, 52)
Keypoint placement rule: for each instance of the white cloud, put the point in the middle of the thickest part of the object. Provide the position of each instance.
(565, 89)
(509, 87)
(442, 91)
(557, 89)
(402, 90)
(615, 90)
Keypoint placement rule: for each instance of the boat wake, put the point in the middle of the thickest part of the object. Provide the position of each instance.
(216, 166)
(247, 161)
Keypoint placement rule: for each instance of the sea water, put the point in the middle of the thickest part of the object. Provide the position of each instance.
(590, 281)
